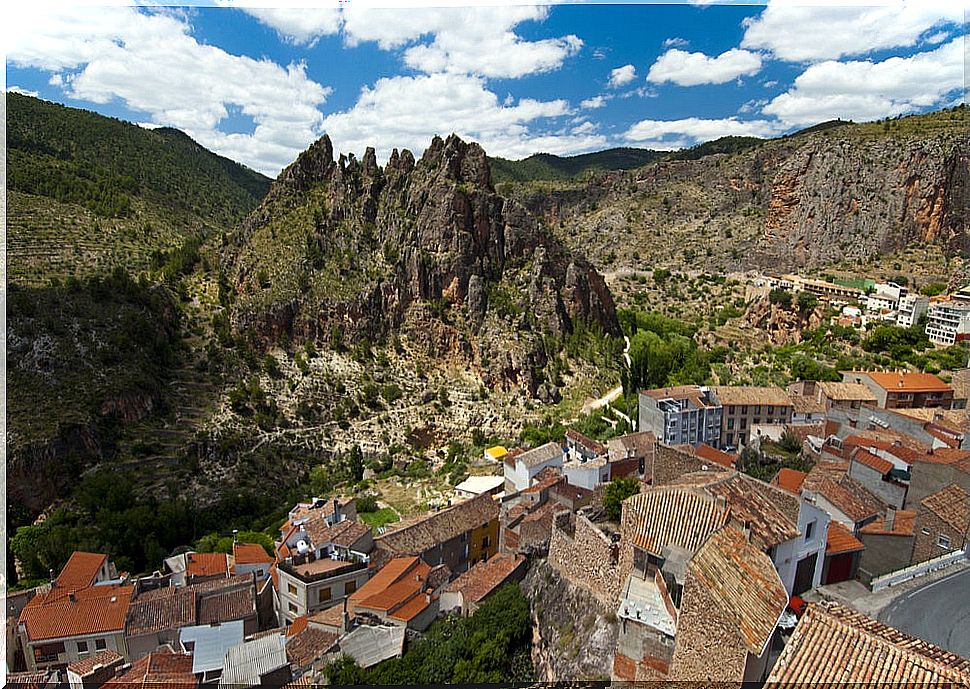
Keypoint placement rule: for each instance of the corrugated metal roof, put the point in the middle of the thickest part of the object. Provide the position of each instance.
(211, 643)
(245, 663)
(370, 645)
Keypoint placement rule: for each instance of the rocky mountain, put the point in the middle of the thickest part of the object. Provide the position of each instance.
(835, 193)
(545, 166)
(344, 251)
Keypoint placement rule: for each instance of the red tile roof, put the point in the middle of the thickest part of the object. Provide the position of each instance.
(712, 454)
(789, 479)
(250, 554)
(485, 577)
(414, 607)
(159, 669)
(304, 647)
(298, 625)
(908, 382)
(93, 610)
(593, 446)
(86, 666)
(81, 570)
(226, 606)
(863, 456)
(163, 609)
(852, 498)
(206, 564)
(952, 505)
(398, 569)
(840, 540)
(903, 523)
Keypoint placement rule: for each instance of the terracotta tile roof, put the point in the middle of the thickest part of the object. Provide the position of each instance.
(331, 617)
(485, 577)
(840, 540)
(571, 492)
(92, 610)
(397, 593)
(309, 644)
(543, 514)
(952, 505)
(225, 606)
(772, 515)
(166, 608)
(233, 582)
(805, 404)
(206, 564)
(852, 498)
(38, 679)
(711, 454)
(908, 382)
(837, 646)
(594, 446)
(86, 666)
(347, 533)
(948, 455)
(671, 515)
(540, 455)
(789, 479)
(158, 669)
(846, 392)
(412, 608)
(398, 569)
(739, 395)
(908, 451)
(631, 445)
(512, 454)
(744, 582)
(545, 479)
(904, 521)
(250, 554)
(863, 456)
(298, 625)
(439, 527)
(832, 469)
(692, 393)
(81, 570)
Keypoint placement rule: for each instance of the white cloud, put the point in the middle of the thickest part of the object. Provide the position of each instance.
(863, 90)
(669, 134)
(463, 40)
(152, 63)
(621, 76)
(593, 103)
(800, 33)
(693, 69)
(406, 111)
(22, 91)
(676, 42)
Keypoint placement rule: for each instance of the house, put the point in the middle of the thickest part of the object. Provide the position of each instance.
(82, 613)
(936, 470)
(732, 603)
(829, 487)
(631, 454)
(688, 414)
(806, 409)
(200, 567)
(93, 671)
(710, 455)
(903, 390)
(846, 396)
(207, 646)
(309, 645)
(332, 511)
(309, 585)
(747, 406)
(835, 645)
(910, 309)
(879, 475)
(942, 523)
(261, 662)
(163, 668)
(457, 536)
(496, 453)
(251, 557)
(228, 600)
(586, 473)
(843, 552)
(467, 592)
(403, 592)
(672, 462)
(474, 486)
(521, 469)
(948, 318)
(889, 543)
(581, 448)
(155, 618)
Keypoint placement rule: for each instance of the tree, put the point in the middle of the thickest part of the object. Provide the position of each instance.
(616, 492)
(357, 463)
(781, 297)
(790, 442)
(806, 302)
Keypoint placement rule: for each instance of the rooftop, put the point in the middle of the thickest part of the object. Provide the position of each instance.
(166, 608)
(157, 669)
(540, 455)
(676, 515)
(594, 446)
(321, 567)
(863, 456)
(711, 454)
(852, 498)
(497, 452)
(693, 394)
(846, 392)
(742, 395)
(835, 645)
(439, 527)
(210, 643)
(480, 484)
(485, 577)
(247, 662)
(840, 540)
(309, 644)
(903, 523)
(81, 570)
(88, 665)
(206, 564)
(58, 614)
(906, 382)
(770, 513)
(631, 445)
(789, 479)
(224, 606)
(952, 505)
(250, 554)
(396, 590)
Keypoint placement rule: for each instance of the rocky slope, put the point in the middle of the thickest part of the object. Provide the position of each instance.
(344, 251)
(845, 192)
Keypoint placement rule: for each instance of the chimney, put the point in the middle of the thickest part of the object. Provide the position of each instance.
(345, 620)
(890, 518)
(50, 575)
(235, 536)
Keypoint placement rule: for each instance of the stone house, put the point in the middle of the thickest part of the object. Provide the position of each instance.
(93, 671)
(889, 543)
(942, 523)
(404, 592)
(745, 407)
(470, 589)
(519, 470)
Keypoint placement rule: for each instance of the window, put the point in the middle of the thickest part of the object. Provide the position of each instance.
(943, 541)
(730, 424)
(744, 409)
(291, 588)
(350, 587)
(810, 530)
(926, 532)
(291, 607)
(757, 409)
(82, 646)
(771, 409)
(487, 541)
(324, 594)
(100, 645)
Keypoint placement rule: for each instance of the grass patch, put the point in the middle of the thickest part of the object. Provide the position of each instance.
(375, 520)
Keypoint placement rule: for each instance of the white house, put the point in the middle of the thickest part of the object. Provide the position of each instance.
(519, 470)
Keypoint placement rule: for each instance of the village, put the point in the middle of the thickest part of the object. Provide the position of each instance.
(701, 560)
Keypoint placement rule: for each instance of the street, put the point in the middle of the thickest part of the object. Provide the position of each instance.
(938, 612)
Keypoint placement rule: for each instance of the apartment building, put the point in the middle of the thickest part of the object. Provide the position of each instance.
(903, 390)
(683, 415)
(910, 309)
(948, 319)
(745, 406)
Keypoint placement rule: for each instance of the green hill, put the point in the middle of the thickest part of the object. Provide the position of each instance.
(88, 193)
(545, 166)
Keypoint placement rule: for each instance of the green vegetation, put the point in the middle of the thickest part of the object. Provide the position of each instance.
(617, 491)
(544, 166)
(491, 646)
(220, 543)
(379, 518)
(663, 351)
(933, 289)
(726, 144)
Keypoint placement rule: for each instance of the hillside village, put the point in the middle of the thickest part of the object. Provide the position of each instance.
(667, 528)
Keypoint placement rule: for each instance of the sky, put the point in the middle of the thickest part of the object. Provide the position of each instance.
(259, 85)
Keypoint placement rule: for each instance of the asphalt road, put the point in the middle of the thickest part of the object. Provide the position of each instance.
(938, 612)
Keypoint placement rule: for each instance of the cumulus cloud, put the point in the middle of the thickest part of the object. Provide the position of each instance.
(672, 134)
(593, 103)
(405, 111)
(692, 69)
(151, 62)
(800, 33)
(863, 90)
(676, 42)
(462, 40)
(22, 91)
(621, 76)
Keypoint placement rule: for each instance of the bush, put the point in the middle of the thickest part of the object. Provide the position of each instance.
(616, 492)
(781, 297)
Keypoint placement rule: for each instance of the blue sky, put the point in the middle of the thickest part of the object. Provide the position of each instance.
(259, 85)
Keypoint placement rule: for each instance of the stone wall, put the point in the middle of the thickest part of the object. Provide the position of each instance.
(585, 556)
(929, 477)
(670, 464)
(925, 547)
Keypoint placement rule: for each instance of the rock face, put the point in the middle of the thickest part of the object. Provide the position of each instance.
(428, 248)
(574, 634)
(783, 325)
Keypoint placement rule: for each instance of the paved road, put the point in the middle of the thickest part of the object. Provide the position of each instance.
(938, 612)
